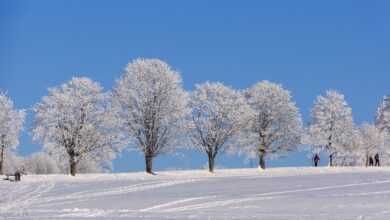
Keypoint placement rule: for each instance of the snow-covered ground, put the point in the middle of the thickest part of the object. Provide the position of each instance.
(280, 193)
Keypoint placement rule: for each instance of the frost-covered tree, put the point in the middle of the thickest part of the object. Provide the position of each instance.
(74, 121)
(218, 114)
(309, 145)
(372, 141)
(348, 153)
(151, 105)
(348, 150)
(13, 162)
(275, 126)
(383, 115)
(331, 123)
(41, 163)
(94, 162)
(11, 124)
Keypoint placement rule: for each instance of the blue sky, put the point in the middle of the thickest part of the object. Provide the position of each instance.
(308, 46)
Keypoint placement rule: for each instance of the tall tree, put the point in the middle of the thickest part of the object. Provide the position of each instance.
(218, 115)
(151, 106)
(383, 115)
(276, 125)
(331, 123)
(11, 124)
(74, 121)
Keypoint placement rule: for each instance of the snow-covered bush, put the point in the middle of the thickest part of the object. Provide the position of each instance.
(40, 163)
(13, 162)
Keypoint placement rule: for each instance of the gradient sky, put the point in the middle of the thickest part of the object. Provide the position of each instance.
(308, 46)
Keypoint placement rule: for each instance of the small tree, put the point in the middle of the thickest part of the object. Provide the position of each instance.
(11, 124)
(309, 145)
(41, 163)
(275, 126)
(218, 114)
(74, 121)
(151, 107)
(372, 141)
(331, 123)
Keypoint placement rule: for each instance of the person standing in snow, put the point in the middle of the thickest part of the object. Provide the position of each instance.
(371, 162)
(377, 163)
(316, 160)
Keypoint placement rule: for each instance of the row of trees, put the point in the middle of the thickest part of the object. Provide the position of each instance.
(332, 130)
(79, 124)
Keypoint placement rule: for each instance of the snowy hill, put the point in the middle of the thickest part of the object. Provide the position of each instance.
(279, 193)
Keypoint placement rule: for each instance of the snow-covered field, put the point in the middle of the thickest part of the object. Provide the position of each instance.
(280, 193)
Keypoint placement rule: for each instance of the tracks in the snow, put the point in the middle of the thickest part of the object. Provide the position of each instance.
(209, 202)
(199, 195)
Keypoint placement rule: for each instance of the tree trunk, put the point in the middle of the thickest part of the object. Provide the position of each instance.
(367, 160)
(262, 150)
(262, 159)
(211, 163)
(329, 147)
(331, 160)
(149, 163)
(2, 160)
(73, 167)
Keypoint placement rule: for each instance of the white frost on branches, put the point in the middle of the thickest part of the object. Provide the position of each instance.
(383, 115)
(275, 126)
(41, 163)
(331, 124)
(74, 123)
(151, 106)
(11, 124)
(218, 115)
(372, 141)
(382, 122)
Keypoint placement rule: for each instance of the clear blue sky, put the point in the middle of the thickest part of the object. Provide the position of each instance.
(308, 46)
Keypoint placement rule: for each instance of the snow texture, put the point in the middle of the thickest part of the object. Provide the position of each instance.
(276, 193)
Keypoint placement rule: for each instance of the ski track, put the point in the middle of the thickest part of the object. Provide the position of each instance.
(176, 202)
(18, 205)
(265, 196)
(93, 194)
(31, 199)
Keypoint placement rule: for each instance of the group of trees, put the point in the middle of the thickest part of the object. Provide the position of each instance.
(82, 128)
(333, 130)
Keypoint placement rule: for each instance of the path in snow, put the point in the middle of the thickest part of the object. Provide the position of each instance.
(284, 193)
